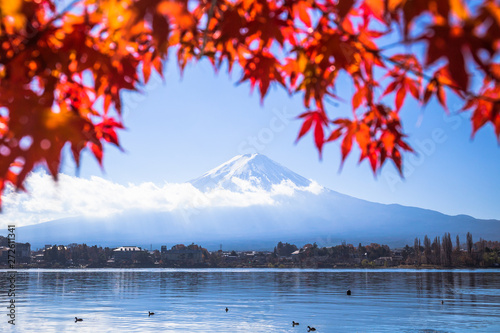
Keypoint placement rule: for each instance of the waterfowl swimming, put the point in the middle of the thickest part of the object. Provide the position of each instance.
(349, 292)
(442, 302)
(310, 329)
(150, 313)
(78, 319)
(227, 309)
(294, 323)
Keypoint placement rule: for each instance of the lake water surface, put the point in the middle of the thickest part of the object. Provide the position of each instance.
(259, 300)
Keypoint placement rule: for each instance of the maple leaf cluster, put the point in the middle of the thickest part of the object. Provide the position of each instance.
(62, 70)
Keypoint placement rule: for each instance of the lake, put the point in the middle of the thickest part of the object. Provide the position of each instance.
(259, 300)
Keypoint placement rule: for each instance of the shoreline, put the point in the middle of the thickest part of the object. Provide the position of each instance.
(401, 267)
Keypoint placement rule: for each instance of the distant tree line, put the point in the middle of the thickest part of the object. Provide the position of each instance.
(439, 252)
(285, 249)
(76, 254)
(443, 252)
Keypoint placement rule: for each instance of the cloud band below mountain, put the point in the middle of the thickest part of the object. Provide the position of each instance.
(73, 196)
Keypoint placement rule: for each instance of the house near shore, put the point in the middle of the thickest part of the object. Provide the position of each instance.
(125, 253)
(22, 252)
(4, 251)
(388, 261)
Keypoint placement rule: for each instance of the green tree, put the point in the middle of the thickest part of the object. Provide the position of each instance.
(427, 249)
(436, 249)
(286, 249)
(470, 244)
(416, 248)
(447, 249)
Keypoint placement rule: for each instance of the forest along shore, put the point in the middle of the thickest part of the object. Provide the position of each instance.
(439, 253)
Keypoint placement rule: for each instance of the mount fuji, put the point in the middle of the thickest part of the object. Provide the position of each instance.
(252, 202)
(257, 169)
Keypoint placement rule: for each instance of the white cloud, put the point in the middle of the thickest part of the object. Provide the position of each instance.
(72, 196)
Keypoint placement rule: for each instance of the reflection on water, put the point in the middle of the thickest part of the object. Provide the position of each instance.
(264, 300)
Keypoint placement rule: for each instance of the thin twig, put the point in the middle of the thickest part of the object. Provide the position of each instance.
(205, 36)
(63, 12)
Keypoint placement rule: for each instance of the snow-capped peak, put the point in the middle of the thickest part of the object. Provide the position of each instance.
(256, 169)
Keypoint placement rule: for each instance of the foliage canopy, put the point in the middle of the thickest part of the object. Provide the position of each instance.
(62, 70)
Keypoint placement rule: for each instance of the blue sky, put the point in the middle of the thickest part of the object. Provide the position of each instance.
(182, 127)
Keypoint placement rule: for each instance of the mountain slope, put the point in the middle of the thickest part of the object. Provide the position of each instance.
(328, 220)
(295, 210)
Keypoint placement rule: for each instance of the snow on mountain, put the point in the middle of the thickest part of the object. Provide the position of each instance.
(248, 201)
(245, 171)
